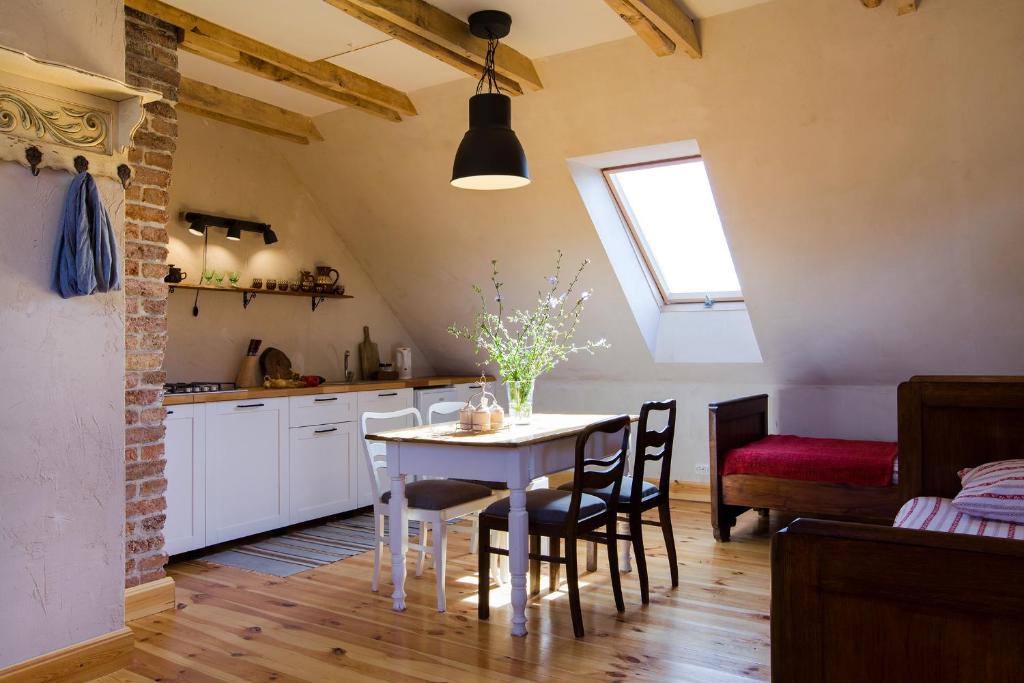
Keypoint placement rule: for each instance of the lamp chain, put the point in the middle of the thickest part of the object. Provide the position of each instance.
(488, 76)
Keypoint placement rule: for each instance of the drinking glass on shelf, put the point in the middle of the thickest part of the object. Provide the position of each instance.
(208, 276)
(218, 277)
(233, 278)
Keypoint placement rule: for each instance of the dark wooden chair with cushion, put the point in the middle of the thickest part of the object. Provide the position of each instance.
(569, 514)
(637, 495)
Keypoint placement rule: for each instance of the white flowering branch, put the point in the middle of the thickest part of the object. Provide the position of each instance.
(528, 343)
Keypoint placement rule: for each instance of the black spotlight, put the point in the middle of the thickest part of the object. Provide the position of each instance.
(234, 233)
(197, 229)
(268, 236)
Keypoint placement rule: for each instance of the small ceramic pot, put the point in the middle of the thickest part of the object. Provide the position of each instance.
(271, 285)
(282, 286)
(257, 283)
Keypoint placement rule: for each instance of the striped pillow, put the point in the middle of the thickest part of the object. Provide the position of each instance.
(993, 491)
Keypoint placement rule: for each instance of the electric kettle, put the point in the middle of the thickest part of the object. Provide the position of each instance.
(403, 362)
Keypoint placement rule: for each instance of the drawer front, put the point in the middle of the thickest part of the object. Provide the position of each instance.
(384, 401)
(321, 409)
(181, 411)
(248, 405)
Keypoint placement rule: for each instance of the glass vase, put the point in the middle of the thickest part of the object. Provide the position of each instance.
(520, 401)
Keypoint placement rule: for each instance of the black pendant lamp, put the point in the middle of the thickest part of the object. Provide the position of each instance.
(490, 156)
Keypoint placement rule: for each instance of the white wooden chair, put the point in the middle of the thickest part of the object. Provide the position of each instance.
(432, 503)
(499, 568)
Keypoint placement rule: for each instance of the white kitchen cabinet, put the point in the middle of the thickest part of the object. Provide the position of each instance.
(383, 401)
(185, 471)
(321, 409)
(423, 399)
(466, 391)
(324, 473)
(247, 467)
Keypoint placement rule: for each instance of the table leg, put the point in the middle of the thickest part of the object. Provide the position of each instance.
(625, 564)
(518, 533)
(398, 531)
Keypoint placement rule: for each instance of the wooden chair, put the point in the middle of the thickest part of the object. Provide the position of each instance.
(637, 495)
(432, 502)
(572, 515)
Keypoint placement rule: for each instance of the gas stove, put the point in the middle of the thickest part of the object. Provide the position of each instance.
(197, 387)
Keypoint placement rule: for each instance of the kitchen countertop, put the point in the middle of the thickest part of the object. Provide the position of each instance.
(328, 388)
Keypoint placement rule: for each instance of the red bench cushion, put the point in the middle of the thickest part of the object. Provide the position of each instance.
(863, 463)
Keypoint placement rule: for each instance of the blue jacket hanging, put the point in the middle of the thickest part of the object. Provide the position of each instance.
(86, 260)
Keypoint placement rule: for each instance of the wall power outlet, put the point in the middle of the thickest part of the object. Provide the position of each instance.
(703, 468)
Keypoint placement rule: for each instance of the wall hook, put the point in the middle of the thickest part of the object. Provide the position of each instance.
(125, 174)
(34, 157)
(81, 164)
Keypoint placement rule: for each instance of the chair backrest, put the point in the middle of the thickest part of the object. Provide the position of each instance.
(376, 451)
(443, 408)
(653, 445)
(599, 471)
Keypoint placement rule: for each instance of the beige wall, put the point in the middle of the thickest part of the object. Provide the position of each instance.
(88, 34)
(62, 410)
(224, 170)
(867, 169)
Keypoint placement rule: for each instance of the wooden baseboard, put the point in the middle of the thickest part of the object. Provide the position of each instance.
(76, 663)
(694, 491)
(148, 598)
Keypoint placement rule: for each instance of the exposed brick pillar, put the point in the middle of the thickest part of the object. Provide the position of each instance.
(151, 61)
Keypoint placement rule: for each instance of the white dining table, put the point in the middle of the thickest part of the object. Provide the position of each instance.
(516, 455)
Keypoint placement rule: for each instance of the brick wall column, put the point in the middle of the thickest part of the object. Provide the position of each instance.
(151, 61)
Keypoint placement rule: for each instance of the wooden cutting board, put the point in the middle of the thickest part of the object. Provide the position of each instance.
(369, 356)
(275, 364)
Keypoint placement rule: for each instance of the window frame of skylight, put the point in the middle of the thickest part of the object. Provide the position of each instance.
(643, 250)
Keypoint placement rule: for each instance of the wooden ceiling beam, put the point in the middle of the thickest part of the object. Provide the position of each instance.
(662, 24)
(234, 49)
(444, 37)
(223, 105)
(219, 52)
(902, 6)
(659, 43)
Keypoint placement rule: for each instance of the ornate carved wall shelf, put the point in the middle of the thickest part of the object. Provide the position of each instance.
(64, 112)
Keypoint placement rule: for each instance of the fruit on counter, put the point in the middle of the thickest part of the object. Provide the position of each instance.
(312, 380)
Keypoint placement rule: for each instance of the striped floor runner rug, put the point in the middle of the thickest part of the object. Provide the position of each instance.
(300, 549)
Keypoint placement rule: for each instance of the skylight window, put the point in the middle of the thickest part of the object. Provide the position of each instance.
(671, 215)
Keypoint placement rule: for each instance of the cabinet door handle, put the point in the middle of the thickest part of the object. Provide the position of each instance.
(474, 386)
(393, 393)
(170, 412)
(250, 405)
(325, 431)
(322, 400)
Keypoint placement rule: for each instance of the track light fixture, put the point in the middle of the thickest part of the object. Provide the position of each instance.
(199, 223)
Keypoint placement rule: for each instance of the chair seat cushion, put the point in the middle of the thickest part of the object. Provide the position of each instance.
(440, 494)
(493, 485)
(647, 490)
(548, 506)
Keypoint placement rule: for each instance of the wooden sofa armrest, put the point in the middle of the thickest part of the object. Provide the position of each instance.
(856, 602)
(735, 423)
(731, 424)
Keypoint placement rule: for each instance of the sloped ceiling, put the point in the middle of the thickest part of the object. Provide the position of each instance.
(868, 169)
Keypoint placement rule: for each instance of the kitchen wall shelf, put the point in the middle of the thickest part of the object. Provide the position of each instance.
(53, 115)
(248, 293)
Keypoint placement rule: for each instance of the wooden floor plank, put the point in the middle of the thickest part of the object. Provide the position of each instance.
(325, 624)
